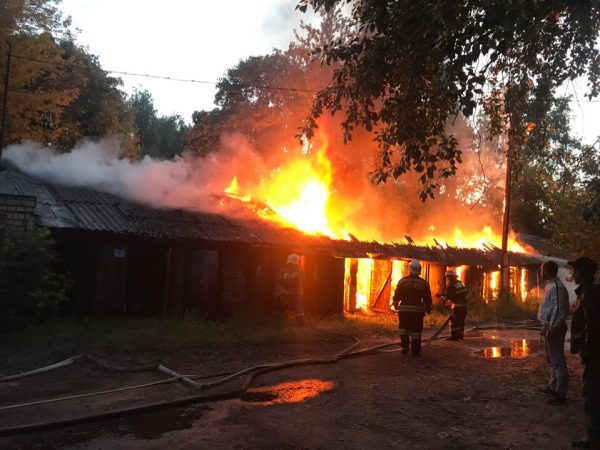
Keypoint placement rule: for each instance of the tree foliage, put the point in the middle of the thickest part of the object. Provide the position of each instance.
(574, 222)
(58, 94)
(249, 103)
(267, 97)
(410, 67)
(160, 137)
(30, 285)
(100, 108)
(30, 17)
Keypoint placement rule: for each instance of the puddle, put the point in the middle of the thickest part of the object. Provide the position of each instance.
(518, 348)
(290, 392)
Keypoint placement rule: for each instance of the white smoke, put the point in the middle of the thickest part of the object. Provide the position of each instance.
(185, 182)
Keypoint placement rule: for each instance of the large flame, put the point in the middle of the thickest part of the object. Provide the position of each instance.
(479, 239)
(299, 192)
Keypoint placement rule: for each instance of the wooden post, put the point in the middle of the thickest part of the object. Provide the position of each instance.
(167, 280)
(5, 99)
(351, 288)
(504, 262)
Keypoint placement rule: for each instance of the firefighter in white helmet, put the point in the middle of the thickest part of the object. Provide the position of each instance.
(412, 299)
(456, 296)
(291, 289)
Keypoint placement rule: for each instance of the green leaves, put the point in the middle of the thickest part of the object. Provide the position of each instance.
(421, 63)
(30, 286)
(58, 95)
(159, 137)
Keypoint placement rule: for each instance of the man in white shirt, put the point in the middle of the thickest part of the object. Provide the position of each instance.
(552, 313)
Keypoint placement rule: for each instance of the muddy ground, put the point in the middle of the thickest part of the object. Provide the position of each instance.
(452, 397)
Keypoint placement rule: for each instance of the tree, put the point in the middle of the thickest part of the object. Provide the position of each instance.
(30, 285)
(544, 168)
(267, 97)
(409, 68)
(160, 137)
(58, 94)
(40, 90)
(101, 108)
(252, 99)
(574, 223)
(30, 17)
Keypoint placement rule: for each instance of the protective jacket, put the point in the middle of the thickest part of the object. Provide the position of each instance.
(412, 295)
(458, 294)
(291, 280)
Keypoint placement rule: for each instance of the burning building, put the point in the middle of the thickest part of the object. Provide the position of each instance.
(131, 258)
(211, 234)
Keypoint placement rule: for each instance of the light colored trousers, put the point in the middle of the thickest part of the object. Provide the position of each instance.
(555, 354)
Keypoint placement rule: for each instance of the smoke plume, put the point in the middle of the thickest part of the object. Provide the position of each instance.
(387, 212)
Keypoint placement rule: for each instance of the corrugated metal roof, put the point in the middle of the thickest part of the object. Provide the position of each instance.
(67, 207)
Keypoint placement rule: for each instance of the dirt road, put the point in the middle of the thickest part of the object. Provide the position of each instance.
(452, 397)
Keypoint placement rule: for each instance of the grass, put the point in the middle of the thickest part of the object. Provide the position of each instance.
(243, 329)
(499, 311)
(151, 333)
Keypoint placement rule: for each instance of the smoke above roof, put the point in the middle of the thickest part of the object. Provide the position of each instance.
(185, 182)
(385, 213)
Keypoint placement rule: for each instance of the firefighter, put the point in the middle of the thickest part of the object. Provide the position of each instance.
(412, 299)
(456, 296)
(291, 289)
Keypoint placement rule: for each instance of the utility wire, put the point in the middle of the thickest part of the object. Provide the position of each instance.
(192, 80)
(159, 77)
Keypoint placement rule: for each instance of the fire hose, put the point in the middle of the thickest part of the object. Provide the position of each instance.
(251, 374)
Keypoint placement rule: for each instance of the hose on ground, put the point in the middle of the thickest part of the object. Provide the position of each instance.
(81, 357)
(251, 374)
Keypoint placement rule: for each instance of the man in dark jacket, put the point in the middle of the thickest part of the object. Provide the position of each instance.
(456, 295)
(585, 340)
(412, 299)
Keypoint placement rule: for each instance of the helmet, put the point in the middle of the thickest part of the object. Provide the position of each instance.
(293, 259)
(451, 273)
(414, 267)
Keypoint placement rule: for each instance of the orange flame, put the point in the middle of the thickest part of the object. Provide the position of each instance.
(299, 192)
(233, 190)
(485, 237)
(363, 283)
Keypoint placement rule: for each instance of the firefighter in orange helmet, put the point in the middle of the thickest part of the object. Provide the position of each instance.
(412, 299)
(456, 296)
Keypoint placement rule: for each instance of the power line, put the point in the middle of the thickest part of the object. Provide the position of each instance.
(159, 77)
(192, 80)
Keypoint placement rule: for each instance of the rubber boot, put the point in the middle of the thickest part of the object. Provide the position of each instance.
(300, 321)
(405, 340)
(416, 347)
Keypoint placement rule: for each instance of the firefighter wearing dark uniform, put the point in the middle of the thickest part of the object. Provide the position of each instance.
(412, 299)
(291, 289)
(457, 295)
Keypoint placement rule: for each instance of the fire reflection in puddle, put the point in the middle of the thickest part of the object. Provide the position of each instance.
(290, 392)
(518, 348)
